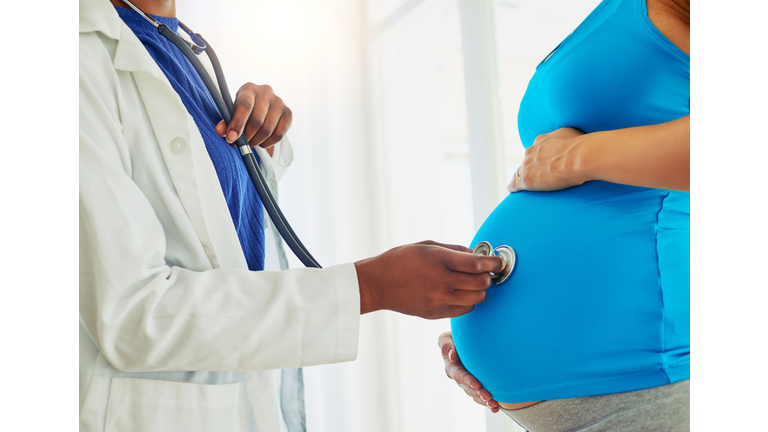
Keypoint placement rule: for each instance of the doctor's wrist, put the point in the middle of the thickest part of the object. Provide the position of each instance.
(367, 285)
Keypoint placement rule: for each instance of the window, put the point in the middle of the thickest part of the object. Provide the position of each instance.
(387, 128)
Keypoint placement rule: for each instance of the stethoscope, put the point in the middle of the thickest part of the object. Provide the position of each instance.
(226, 107)
(225, 104)
(506, 253)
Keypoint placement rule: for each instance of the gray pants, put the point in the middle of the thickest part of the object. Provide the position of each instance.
(665, 408)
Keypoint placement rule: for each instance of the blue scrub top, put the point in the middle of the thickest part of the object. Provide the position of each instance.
(244, 203)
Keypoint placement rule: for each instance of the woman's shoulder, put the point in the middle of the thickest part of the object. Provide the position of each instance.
(673, 20)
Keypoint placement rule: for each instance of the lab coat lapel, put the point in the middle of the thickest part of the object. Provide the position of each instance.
(167, 113)
(186, 158)
(168, 116)
(183, 152)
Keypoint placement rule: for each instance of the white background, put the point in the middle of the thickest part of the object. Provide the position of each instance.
(382, 159)
(322, 68)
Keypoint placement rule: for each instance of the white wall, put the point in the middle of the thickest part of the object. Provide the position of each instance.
(382, 143)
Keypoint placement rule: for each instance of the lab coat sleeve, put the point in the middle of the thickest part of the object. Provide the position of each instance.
(146, 314)
(282, 157)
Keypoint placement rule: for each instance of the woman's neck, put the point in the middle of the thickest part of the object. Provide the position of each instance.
(673, 19)
(680, 8)
(163, 8)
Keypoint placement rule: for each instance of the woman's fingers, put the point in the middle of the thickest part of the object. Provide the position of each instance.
(549, 164)
(445, 342)
(473, 394)
(453, 366)
(455, 370)
(481, 397)
(516, 184)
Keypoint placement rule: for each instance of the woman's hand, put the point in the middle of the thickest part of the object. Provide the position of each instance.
(549, 164)
(260, 114)
(456, 371)
(653, 156)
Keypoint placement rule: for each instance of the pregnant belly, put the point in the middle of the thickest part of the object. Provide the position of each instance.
(582, 296)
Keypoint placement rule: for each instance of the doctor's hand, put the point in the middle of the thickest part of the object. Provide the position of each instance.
(427, 279)
(549, 164)
(456, 371)
(259, 114)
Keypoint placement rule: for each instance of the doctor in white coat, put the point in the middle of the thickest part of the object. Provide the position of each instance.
(176, 334)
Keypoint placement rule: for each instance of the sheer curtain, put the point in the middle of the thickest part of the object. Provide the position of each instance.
(382, 147)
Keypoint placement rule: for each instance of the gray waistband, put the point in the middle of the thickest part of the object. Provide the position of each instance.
(662, 408)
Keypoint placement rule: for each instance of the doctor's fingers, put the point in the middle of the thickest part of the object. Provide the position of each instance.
(274, 128)
(458, 248)
(250, 112)
(251, 105)
(461, 296)
(468, 263)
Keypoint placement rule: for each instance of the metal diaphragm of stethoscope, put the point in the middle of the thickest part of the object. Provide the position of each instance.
(506, 253)
(225, 104)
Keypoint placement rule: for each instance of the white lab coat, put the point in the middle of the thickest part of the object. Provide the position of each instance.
(175, 333)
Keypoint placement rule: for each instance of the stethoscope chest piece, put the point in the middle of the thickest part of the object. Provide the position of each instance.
(506, 253)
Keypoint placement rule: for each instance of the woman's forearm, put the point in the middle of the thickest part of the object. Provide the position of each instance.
(656, 156)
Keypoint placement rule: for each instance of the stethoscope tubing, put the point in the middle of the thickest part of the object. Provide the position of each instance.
(225, 105)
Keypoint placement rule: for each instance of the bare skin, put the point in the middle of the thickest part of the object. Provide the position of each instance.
(427, 279)
(259, 114)
(163, 8)
(656, 156)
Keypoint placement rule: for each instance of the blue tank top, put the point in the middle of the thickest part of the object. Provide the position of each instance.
(600, 300)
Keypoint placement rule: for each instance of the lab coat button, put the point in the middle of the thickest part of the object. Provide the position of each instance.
(209, 252)
(178, 146)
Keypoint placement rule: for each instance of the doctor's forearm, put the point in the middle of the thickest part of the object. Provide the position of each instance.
(656, 156)
(427, 279)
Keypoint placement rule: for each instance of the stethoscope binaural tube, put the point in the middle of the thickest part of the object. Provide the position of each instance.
(225, 105)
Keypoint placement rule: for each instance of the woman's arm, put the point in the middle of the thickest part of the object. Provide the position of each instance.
(656, 156)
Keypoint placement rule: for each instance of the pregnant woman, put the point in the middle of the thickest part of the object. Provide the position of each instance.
(595, 321)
